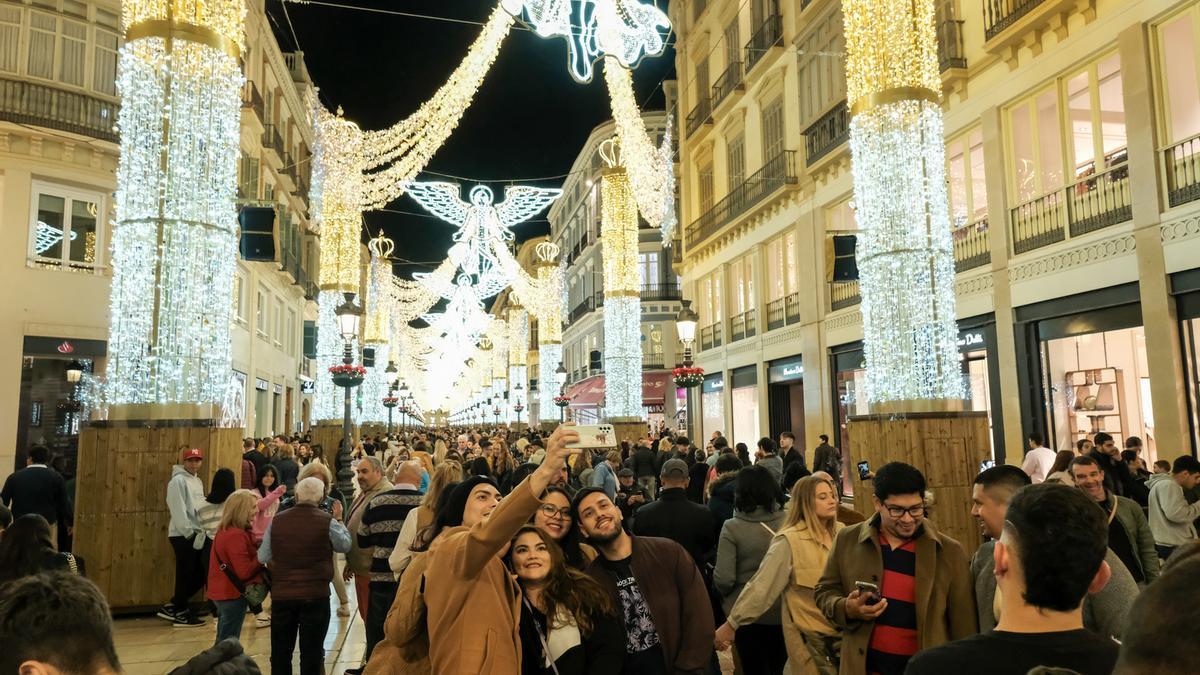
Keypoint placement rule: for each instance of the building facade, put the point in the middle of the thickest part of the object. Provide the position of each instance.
(58, 160)
(575, 227)
(1071, 145)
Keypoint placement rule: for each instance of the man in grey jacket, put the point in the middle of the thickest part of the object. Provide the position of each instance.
(1170, 514)
(1104, 612)
(1128, 532)
(770, 459)
(185, 491)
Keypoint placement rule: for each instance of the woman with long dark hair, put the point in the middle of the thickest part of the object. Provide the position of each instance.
(269, 489)
(569, 623)
(210, 511)
(26, 549)
(554, 518)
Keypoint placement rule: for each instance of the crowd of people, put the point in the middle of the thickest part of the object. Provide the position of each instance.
(497, 551)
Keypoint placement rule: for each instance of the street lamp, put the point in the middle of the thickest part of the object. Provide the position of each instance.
(74, 372)
(392, 373)
(685, 327)
(519, 395)
(348, 316)
(560, 378)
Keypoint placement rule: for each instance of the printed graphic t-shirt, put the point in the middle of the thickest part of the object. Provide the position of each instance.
(644, 653)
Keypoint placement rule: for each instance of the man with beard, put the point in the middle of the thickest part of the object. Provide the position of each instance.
(663, 601)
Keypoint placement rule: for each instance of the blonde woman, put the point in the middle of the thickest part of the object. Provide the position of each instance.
(447, 473)
(439, 451)
(234, 556)
(791, 568)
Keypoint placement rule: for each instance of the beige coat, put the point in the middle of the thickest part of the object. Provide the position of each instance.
(944, 591)
(359, 559)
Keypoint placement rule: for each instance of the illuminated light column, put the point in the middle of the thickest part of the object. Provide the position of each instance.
(377, 329)
(174, 245)
(905, 253)
(518, 359)
(549, 315)
(338, 164)
(622, 289)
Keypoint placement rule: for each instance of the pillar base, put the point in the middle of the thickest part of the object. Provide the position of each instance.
(121, 514)
(630, 429)
(947, 447)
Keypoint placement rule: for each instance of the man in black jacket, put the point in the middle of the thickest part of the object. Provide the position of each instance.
(1117, 478)
(644, 468)
(677, 518)
(38, 489)
(249, 452)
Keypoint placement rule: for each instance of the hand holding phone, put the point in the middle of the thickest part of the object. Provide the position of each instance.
(864, 470)
(594, 436)
(865, 602)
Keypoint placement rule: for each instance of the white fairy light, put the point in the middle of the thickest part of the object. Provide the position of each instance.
(622, 297)
(328, 398)
(651, 170)
(174, 236)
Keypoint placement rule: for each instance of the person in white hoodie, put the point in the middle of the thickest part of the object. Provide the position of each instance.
(185, 492)
(1170, 515)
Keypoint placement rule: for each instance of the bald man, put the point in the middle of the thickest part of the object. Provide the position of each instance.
(381, 522)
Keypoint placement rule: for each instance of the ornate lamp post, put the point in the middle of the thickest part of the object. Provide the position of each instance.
(518, 406)
(391, 373)
(405, 396)
(348, 317)
(560, 378)
(685, 328)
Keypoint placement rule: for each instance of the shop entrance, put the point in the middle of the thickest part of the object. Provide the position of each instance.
(785, 398)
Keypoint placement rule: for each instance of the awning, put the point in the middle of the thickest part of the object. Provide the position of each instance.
(589, 393)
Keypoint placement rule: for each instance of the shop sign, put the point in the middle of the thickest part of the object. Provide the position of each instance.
(971, 340)
(308, 386)
(785, 370)
(261, 384)
(278, 389)
(35, 345)
(713, 383)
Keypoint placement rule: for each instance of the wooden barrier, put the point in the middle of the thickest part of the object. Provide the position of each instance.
(947, 447)
(121, 511)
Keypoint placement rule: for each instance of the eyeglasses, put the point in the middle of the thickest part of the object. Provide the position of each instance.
(552, 511)
(898, 512)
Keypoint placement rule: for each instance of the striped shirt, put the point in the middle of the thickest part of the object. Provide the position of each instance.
(894, 637)
(380, 527)
(210, 517)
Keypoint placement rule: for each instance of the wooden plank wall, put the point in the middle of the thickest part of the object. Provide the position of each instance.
(946, 447)
(121, 513)
(330, 437)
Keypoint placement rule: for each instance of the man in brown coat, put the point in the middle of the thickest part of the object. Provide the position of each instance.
(371, 481)
(916, 593)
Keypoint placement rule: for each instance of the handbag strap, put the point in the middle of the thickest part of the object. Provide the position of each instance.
(233, 578)
(541, 636)
(71, 563)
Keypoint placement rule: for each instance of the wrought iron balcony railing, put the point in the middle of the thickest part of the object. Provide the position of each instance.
(46, 106)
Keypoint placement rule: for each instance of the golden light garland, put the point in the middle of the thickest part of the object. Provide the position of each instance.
(651, 170)
(340, 143)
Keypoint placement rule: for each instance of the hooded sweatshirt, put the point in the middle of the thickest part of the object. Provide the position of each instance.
(184, 492)
(1170, 515)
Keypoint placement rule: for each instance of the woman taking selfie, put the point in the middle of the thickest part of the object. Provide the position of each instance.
(791, 568)
(568, 624)
(554, 518)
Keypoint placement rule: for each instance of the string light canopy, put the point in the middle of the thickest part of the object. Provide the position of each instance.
(174, 236)
(905, 251)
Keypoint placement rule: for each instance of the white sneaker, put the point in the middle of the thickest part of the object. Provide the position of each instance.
(344, 610)
(262, 620)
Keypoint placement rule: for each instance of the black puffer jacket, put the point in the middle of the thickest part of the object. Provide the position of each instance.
(224, 658)
(720, 500)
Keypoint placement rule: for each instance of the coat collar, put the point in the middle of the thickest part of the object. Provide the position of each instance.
(929, 545)
(870, 532)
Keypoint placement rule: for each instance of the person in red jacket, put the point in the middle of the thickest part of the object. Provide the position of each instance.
(233, 553)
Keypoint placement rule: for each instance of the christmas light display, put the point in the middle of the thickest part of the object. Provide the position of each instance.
(622, 289)
(651, 171)
(905, 253)
(327, 401)
(175, 233)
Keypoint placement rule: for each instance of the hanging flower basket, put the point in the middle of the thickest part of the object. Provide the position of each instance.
(688, 377)
(348, 376)
(403, 410)
(390, 401)
(518, 408)
(562, 401)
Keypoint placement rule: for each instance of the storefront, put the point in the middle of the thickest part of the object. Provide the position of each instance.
(1084, 359)
(744, 399)
(587, 398)
(51, 406)
(1185, 286)
(712, 407)
(785, 398)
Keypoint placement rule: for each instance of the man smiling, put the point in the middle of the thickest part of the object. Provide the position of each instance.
(1128, 532)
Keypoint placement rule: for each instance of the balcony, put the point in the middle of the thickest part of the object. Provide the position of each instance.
(296, 67)
(1181, 166)
(779, 171)
(710, 336)
(843, 294)
(1010, 25)
(950, 45)
(252, 100)
(742, 326)
(661, 292)
(768, 35)
(700, 115)
(271, 140)
(729, 82)
(653, 361)
(587, 306)
(43, 106)
(971, 247)
(1092, 203)
(829, 132)
(1000, 14)
(783, 312)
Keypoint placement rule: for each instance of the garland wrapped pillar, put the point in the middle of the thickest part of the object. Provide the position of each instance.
(549, 331)
(622, 293)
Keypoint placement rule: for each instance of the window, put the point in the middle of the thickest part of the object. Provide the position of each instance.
(710, 299)
(733, 44)
(702, 87)
(42, 29)
(821, 72)
(781, 267)
(278, 322)
(968, 187)
(290, 337)
(772, 123)
(239, 299)
(260, 312)
(741, 282)
(64, 226)
(841, 217)
(104, 66)
(1177, 46)
(706, 188)
(73, 53)
(10, 38)
(735, 157)
(648, 269)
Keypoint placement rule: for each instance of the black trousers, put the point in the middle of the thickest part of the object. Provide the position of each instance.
(191, 570)
(307, 618)
(761, 649)
(380, 594)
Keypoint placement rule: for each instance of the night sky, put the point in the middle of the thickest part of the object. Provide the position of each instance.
(529, 118)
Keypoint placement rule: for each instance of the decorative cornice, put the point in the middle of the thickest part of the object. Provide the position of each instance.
(844, 320)
(781, 335)
(741, 346)
(1063, 260)
(1185, 228)
(974, 285)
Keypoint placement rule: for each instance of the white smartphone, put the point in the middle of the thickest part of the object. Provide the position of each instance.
(594, 436)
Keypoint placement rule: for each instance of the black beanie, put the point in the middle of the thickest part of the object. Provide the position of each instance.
(458, 499)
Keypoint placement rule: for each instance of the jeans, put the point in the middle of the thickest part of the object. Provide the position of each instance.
(230, 614)
(648, 484)
(760, 647)
(381, 595)
(191, 570)
(309, 618)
